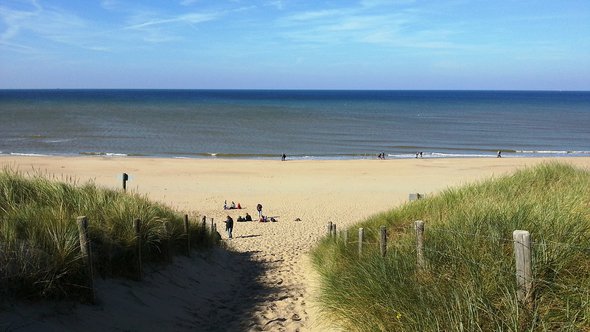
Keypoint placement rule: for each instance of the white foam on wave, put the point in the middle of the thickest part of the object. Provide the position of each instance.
(564, 152)
(58, 140)
(459, 155)
(28, 154)
(104, 154)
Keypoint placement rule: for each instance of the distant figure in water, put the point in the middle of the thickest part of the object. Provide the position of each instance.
(420, 154)
(283, 157)
(499, 154)
(417, 153)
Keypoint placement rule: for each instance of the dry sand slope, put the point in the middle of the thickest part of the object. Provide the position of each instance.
(264, 282)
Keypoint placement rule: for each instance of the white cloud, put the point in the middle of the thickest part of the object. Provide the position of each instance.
(191, 18)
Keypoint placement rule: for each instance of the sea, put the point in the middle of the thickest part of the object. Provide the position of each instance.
(303, 124)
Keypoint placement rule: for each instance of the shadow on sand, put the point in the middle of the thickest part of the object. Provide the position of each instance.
(220, 290)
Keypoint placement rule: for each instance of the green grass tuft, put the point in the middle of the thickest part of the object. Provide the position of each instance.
(39, 241)
(469, 283)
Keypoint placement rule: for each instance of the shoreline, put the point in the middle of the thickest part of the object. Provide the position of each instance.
(343, 157)
(315, 191)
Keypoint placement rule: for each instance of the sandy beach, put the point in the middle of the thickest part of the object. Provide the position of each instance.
(264, 281)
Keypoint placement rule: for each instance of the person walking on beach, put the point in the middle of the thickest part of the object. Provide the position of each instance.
(229, 226)
(499, 154)
(259, 209)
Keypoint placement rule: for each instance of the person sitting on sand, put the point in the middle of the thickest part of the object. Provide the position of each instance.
(225, 205)
(229, 226)
(233, 205)
(248, 217)
(239, 206)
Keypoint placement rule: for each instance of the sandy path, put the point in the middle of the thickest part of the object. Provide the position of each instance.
(268, 286)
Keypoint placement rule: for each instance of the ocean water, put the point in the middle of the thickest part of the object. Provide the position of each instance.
(302, 124)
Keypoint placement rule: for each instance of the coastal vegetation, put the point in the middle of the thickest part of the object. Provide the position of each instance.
(40, 252)
(468, 282)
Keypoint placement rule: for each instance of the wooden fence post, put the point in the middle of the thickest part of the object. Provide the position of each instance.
(203, 227)
(419, 224)
(125, 178)
(524, 273)
(188, 235)
(137, 227)
(345, 237)
(414, 197)
(329, 228)
(383, 241)
(86, 254)
(361, 237)
(333, 231)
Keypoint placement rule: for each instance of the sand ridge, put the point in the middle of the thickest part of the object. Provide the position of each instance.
(264, 281)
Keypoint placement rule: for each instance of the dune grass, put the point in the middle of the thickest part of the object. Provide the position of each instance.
(469, 282)
(39, 241)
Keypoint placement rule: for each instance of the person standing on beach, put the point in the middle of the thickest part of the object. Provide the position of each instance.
(283, 157)
(259, 209)
(499, 154)
(229, 226)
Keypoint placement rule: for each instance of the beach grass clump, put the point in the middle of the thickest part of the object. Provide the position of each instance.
(468, 281)
(39, 241)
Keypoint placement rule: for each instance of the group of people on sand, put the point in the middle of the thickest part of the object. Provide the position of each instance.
(381, 156)
(229, 221)
(419, 154)
(232, 206)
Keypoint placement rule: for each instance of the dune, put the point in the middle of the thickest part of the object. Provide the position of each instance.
(261, 279)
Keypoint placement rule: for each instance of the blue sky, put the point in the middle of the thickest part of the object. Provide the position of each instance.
(274, 44)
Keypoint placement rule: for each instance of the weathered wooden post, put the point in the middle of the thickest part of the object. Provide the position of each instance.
(345, 236)
(419, 225)
(333, 231)
(203, 227)
(361, 237)
(137, 228)
(188, 235)
(383, 241)
(329, 228)
(86, 250)
(415, 196)
(524, 273)
(125, 178)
